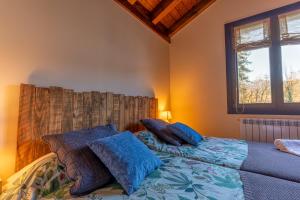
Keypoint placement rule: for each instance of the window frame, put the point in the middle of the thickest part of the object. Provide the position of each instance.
(277, 107)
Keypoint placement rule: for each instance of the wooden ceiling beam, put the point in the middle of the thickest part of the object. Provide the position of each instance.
(132, 1)
(163, 9)
(191, 14)
(153, 18)
(144, 16)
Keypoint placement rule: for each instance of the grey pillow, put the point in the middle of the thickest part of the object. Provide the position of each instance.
(159, 128)
(82, 165)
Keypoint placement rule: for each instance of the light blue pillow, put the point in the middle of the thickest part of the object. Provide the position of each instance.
(127, 158)
(185, 132)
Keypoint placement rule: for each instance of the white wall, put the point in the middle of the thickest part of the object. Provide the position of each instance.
(198, 67)
(77, 44)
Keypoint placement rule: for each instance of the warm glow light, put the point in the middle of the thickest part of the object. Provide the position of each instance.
(165, 115)
(9, 96)
(7, 159)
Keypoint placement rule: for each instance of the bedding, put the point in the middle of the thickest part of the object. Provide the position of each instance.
(82, 165)
(185, 133)
(177, 179)
(253, 157)
(260, 187)
(127, 158)
(225, 152)
(288, 146)
(159, 128)
(40, 178)
(255, 187)
(266, 159)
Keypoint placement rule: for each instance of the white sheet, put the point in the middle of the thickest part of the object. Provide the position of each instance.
(288, 146)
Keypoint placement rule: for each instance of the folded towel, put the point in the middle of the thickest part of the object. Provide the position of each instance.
(288, 146)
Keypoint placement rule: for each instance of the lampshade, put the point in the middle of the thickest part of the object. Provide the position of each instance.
(166, 115)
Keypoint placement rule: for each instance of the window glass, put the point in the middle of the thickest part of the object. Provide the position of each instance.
(290, 27)
(263, 63)
(291, 73)
(253, 35)
(254, 83)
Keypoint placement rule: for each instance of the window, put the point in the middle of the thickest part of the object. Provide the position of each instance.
(263, 63)
(290, 52)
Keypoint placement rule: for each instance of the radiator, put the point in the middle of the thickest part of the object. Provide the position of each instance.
(267, 130)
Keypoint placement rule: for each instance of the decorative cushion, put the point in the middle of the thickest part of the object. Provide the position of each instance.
(150, 140)
(185, 132)
(127, 158)
(158, 127)
(82, 165)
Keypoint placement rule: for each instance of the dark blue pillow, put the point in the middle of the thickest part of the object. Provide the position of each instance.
(82, 165)
(185, 132)
(127, 158)
(158, 127)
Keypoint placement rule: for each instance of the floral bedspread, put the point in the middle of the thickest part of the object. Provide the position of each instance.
(38, 179)
(177, 179)
(225, 152)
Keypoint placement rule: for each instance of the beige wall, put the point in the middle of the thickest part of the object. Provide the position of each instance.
(95, 45)
(198, 69)
(79, 44)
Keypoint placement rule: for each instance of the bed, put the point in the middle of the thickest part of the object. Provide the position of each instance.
(46, 111)
(178, 179)
(254, 157)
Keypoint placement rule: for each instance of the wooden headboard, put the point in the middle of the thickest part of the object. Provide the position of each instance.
(55, 110)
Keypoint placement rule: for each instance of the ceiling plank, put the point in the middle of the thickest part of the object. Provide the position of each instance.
(140, 12)
(132, 1)
(191, 14)
(163, 9)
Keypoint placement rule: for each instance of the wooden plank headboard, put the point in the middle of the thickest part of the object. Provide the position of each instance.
(55, 110)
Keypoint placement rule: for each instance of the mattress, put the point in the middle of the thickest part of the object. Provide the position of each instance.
(260, 187)
(267, 160)
(224, 152)
(177, 179)
(255, 187)
(254, 157)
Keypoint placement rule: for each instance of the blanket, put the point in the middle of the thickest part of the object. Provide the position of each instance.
(260, 187)
(288, 146)
(267, 160)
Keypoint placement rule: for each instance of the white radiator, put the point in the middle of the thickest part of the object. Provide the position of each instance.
(267, 130)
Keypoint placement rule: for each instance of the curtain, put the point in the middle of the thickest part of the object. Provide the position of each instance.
(290, 28)
(252, 36)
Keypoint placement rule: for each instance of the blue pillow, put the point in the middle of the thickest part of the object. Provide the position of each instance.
(127, 158)
(185, 132)
(82, 165)
(158, 127)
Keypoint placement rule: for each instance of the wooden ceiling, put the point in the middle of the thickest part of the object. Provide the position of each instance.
(165, 17)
